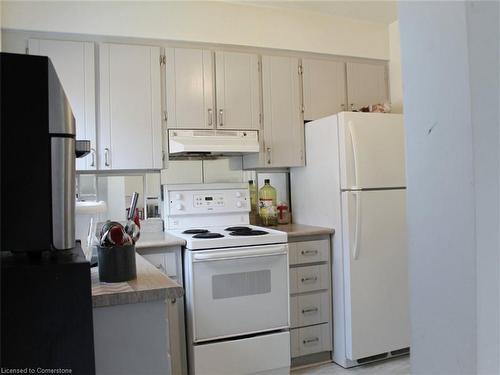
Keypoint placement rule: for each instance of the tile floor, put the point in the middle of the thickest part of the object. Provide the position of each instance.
(395, 366)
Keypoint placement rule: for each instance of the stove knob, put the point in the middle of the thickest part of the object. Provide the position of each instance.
(238, 204)
(178, 196)
(238, 195)
(179, 207)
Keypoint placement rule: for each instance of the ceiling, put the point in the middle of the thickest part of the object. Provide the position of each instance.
(384, 12)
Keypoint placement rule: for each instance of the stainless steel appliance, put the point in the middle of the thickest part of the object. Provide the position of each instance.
(236, 281)
(46, 302)
(38, 152)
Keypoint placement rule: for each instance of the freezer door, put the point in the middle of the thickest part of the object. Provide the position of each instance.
(372, 151)
(376, 272)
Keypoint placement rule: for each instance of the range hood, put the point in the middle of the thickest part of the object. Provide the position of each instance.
(217, 142)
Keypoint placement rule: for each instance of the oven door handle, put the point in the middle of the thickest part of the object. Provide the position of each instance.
(239, 254)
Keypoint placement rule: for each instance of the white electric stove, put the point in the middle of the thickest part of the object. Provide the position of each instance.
(207, 237)
(236, 281)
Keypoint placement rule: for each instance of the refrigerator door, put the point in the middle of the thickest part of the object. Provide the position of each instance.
(372, 150)
(375, 272)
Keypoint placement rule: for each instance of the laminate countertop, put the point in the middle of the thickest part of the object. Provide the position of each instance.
(300, 230)
(158, 239)
(150, 285)
(163, 239)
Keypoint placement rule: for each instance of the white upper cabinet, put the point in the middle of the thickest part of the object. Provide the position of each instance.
(366, 84)
(190, 88)
(283, 143)
(324, 88)
(74, 64)
(237, 90)
(130, 128)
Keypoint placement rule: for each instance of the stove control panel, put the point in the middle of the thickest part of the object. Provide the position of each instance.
(210, 200)
(194, 202)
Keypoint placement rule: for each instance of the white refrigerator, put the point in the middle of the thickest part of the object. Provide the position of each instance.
(354, 181)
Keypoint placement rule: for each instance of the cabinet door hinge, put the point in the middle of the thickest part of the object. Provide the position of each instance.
(302, 108)
(258, 66)
(300, 69)
(260, 118)
(165, 116)
(163, 59)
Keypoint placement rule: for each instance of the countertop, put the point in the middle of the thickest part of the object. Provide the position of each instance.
(300, 230)
(163, 239)
(150, 285)
(158, 239)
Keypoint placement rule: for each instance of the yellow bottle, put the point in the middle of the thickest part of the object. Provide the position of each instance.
(267, 204)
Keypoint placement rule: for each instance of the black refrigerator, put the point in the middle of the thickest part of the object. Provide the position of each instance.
(46, 301)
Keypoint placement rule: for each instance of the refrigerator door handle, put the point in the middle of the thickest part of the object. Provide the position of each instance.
(358, 225)
(354, 144)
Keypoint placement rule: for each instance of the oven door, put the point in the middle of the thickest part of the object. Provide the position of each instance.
(237, 291)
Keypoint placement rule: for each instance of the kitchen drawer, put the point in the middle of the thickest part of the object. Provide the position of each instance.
(309, 251)
(309, 309)
(309, 278)
(309, 340)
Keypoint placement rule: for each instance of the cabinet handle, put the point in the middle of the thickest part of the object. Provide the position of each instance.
(268, 150)
(106, 157)
(221, 117)
(352, 107)
(309, 252)
(172, 301)
(210, 121)
(309, 279)
(310, 341)
(310, 310)
(160, 267)
(92, 152)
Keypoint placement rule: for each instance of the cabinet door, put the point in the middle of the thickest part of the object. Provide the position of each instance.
(130, 130)
(74, 64)
(283, 122)
(189, 84)
(324, 88)
(366, 84)
(237, 88)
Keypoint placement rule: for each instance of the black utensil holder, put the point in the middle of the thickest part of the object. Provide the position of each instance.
(116, 264)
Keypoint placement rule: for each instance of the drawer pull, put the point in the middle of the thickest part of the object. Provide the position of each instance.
(310, 341)
(310, 310)
(312, 279)
(309, 252)
(160, 267)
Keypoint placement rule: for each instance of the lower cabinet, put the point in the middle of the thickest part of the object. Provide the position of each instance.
(169, 261)
(310, 340)
(309, 309)
(310, 300)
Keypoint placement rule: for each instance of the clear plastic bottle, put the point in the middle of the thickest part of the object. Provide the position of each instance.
(254, 214)
(267, 204)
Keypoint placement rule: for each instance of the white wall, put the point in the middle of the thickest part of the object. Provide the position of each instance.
(198, 21)
(450, 70)
(395, 81)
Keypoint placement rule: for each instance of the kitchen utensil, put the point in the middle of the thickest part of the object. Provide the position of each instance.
(132, 228)
(114, 234)
(133, 205)
(108, 224)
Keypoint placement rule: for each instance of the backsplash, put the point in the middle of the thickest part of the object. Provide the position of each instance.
(116, 190)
